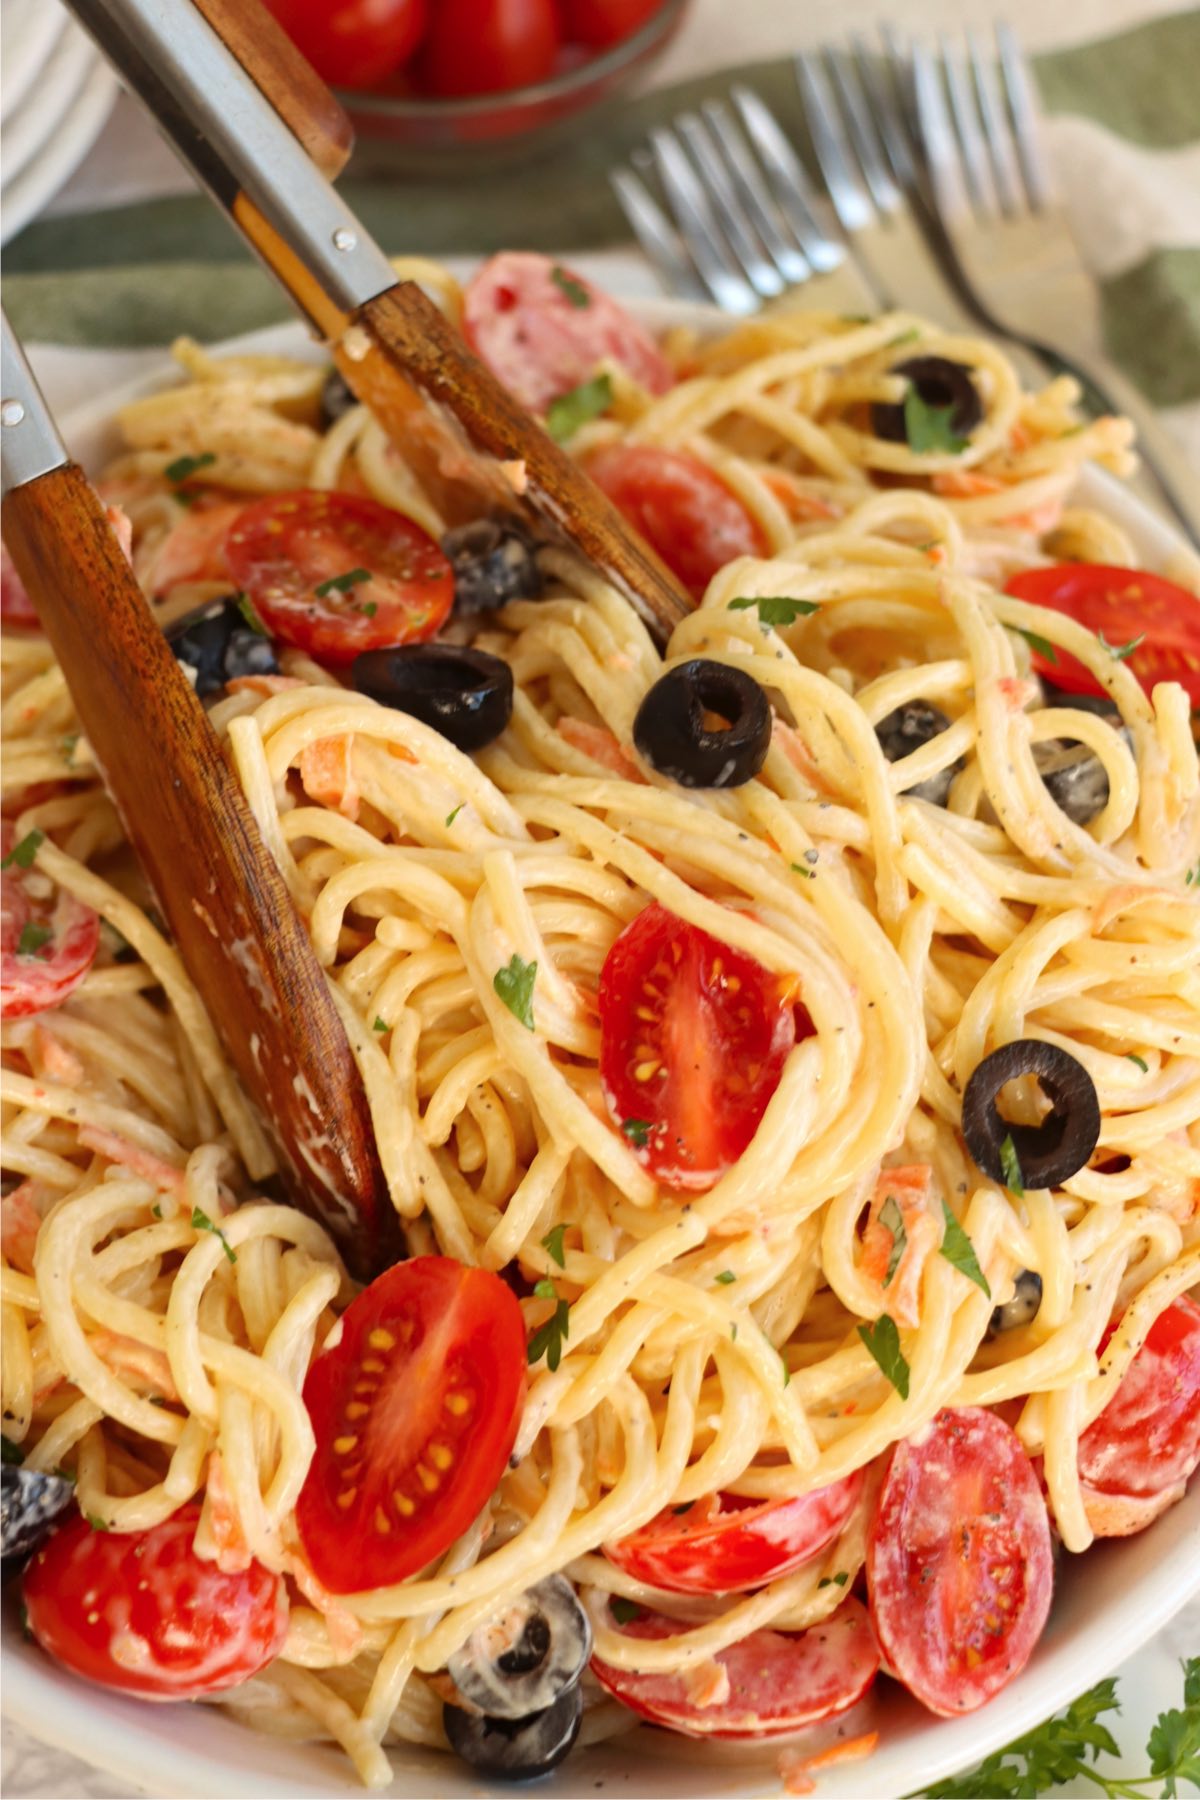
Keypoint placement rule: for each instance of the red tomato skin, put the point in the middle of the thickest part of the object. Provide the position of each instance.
(960, 1541)
(681, 508)
(599, 23)
(1147, 1438)
(16, 608)
(33, 984)
(142, 1613)
(711, 1087)
(488, 46)
(520, 318)
(1123, 604)
(779, 1683)
(281, 549)
(354, 43)
(458, 1342)
(736, 1550)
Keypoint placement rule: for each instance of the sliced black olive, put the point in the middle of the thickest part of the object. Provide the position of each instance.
(494, 562)
(940, 383)
(30, 1502)
(670, 731)
(1022, 1309)
(467, 695)
(337, 398)
(1093, 703)
(516, 1749)
(1047, 1154)
(1074, 776)
(219, 644)
(904, 731)
(522, 1661)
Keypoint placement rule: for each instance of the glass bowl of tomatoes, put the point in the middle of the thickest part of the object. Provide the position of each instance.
(438, 84)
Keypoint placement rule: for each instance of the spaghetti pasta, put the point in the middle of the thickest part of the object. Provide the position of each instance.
(719, 1341)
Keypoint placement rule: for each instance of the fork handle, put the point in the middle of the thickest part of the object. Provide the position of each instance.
(1106, 390)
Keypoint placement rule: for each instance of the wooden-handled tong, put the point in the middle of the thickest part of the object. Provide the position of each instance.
(255, 125)
(229, 910)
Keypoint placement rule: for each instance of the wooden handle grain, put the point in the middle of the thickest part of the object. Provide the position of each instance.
(406, 361)
(229, 910)
(282, 75)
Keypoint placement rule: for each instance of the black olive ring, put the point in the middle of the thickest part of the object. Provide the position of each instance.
(670, 732)
(941, 383)
(1047, 1154)
(465, 694)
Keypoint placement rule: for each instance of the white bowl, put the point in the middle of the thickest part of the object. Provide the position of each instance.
(1108, 1603)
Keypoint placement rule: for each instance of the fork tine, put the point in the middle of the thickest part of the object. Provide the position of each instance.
(789, 182)
(792, 264)
(964, 112)
(698, 226)
(1022, 104)
(657, 236)
(851, 201)
(762, 274)
(881, 78)
(856, 111)
(996, 128)
(938, 138)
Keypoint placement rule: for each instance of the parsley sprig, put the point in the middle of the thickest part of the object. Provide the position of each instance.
(514, 985)
(202, 1222)
(1068, 1747)
(341, 584)
(928, 428)
(578, 407)
(774, 609)
(549, 1339)
(21, 855)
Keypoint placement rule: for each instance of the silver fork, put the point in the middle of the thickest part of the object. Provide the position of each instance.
(725, 211)
(995, 199)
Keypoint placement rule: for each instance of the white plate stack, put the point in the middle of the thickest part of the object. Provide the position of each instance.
(55, 94)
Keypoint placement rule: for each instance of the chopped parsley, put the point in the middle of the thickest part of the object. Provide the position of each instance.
(68, 746)
(1192, 876)
(637, 1131)
(202, 1222)
(1014, 1180)
(928, 428)
(571, 286)
(1141, 1063)
(552, 1244)
(21, 855)
(803, 869)
(184, 467)
(380, 1024)
(1042, 645)
(725, 1278)
(548, 1340)
(838, 1580)
(787, 1373)
(33, 938)
(514, 984)
(97, 1523)
(341, 584)
(245, 606)
(451, 816)
(1119, 652)
(882, 1339)
(774, 609)
(156, 1211)
(905, 337)
(958, 1249)
(578, 407)
(10, 1450)
(892, 1219)
(624, 1611)
(368, 609)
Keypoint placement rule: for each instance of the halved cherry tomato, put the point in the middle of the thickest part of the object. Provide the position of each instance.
(691, 518)
(726, 1545)
(384, 580)
(1147, 1439)
(48, 939)
(487, 46)
(778, 1682)
(353, 43)
(415, 1409)
(599, 23)
(959, 1567)
(693, 1039)
(141, 1612)
(1124, 604)
(542, 329)
(16, 608)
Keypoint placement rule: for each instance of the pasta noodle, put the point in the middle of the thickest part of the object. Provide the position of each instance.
(712, 1342)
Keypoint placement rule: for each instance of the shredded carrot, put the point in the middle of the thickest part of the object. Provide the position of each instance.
(964, 484)
(327, 771)
(224, 1524)
(262, 684)
(796, 501)
(55, 1060)
(20, 1222)
(600, 744)
(117, 1149)
(148, 1368)
(853, 1750)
